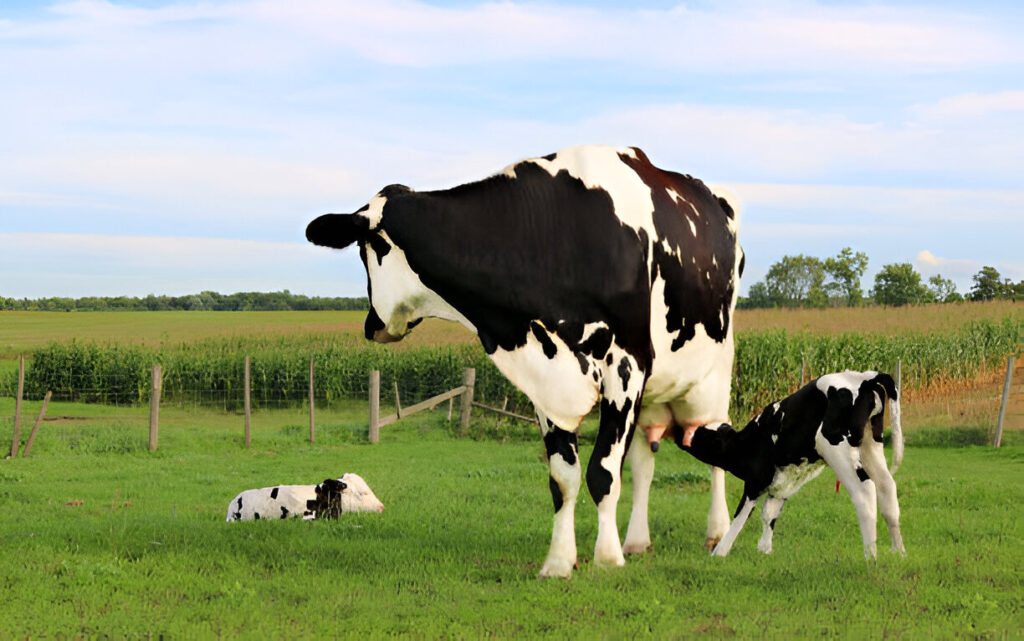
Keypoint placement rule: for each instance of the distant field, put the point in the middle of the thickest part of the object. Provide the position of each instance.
(22, 332)
(884, 320)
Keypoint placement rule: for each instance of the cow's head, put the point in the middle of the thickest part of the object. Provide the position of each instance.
(398, 298)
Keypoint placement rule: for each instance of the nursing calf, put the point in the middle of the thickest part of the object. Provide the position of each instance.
(324, 500)
(836, 419)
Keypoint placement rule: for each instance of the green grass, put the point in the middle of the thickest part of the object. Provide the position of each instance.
(457, 550)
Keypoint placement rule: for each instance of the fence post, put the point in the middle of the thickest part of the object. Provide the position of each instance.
(247, 401)
(899, 376)
(312, 429)
(15, 444)
(1002, 406)
(35, 428)
(154, 408)
(374, 406)
(466, 403)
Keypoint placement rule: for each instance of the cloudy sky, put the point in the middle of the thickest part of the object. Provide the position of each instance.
(171, 147)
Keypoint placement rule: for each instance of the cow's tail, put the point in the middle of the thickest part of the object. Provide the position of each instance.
(893, 394)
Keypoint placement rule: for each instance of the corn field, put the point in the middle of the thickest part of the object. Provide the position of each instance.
(210, 372)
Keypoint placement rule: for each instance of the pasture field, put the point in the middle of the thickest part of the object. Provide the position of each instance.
(102, 538)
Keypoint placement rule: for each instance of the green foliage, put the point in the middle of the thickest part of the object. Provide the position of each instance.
(797, 281)
(898, 284)
(846, 270)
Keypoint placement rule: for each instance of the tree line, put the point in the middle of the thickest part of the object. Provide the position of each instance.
(808, 281)
(203, 301)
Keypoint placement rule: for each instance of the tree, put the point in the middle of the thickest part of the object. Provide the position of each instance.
(758, 297)
(987, 284)
(943, 289)
(898, 284)
(846, 270)
(797, 281)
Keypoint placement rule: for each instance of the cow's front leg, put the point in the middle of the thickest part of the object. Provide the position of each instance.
(564, 466)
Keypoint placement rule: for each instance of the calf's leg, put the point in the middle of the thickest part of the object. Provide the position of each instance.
(840, 458)
(770, 510)
(873, 459)
(641, 463)
(742, 514)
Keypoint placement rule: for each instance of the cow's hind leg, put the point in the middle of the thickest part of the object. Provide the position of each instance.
(564, 466)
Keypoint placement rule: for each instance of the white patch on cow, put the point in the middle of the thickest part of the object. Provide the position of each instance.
(600, 167)
(693, 227)
(848, 380)
(529, 369)
(775, 438)
(358, 497)
(789, 479)
(399, 296)
(374, 210)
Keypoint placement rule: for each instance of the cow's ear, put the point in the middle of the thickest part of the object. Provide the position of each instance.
(337, 230)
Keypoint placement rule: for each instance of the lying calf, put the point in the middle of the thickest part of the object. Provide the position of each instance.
(836, 419)
(328, 499)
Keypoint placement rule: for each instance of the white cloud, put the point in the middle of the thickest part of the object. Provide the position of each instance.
(972, 105)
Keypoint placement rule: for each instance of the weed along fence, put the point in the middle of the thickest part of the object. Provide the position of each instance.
(331, 376)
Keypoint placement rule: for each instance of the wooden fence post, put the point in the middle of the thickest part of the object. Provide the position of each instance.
(466, 403)
(312, 428)
(15, 444)
(35, 428)
(247, 401)
(998, 440)
(154, 408)
(374, 406)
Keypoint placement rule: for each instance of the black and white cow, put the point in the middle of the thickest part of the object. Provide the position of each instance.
(327, 499)
(836, 419)
(589, 276)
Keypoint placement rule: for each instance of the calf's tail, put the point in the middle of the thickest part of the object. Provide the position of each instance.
(889, 386)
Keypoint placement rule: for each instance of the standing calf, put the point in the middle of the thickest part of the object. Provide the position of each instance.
(836, 419)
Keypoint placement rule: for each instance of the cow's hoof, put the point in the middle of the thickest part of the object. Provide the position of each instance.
(636, 548)
(557, 569)
(711, 542)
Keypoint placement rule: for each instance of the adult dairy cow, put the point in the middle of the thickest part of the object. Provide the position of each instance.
(588, 275)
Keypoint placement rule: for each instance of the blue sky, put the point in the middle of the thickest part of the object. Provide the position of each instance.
(173, 147)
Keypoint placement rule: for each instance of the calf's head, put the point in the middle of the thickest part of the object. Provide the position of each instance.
(398, 298)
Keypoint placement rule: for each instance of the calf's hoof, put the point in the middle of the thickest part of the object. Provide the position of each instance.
(557, 569)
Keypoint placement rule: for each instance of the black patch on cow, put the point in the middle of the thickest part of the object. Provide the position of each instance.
(550, 157)
(612, 429)
(238, 516)
(862, 475)
(697, 269)
(284, 512)
(379, 246)
(545, 341)
(624, 371)
(506, 251)
(327, 504)
(561, 442)
(256, 516)
(584, 364)
(372, 324)
(273, 493)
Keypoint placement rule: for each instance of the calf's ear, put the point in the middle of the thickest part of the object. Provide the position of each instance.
(337, 230)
